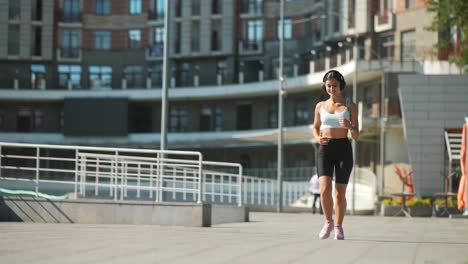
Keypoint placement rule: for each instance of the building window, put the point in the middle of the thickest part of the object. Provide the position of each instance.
(221, 70)
(13, 40)
(159, 35)
(318, 29)
(216, 35)
(24, 120)
(61, 120)
(2, 120)
(134, 7)
(38, 119)
(301, 113)
(387, 46)
(254, 31)
(196, 7)
(178, 33)
(195, 36)
(69, 47)
(102, 40)
(156, 75)
(38, 76)
(160, 9)
(70, 73)
(351, 13)
(184, 74)
(36, 10)
(71, 11)
(134, 38)
(178, 8)
(409, 3)
(273, 114)
(103, 7)
(36, 41)
(408, 45)
(211, 118)
(100, 77)
(287, 29)
(134, 76)
(216, 6)
(252, 6)
(336, 17)
(14, 9)
(178, 119)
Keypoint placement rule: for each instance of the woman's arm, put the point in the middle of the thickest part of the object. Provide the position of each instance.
(353, 126)
(317, 122)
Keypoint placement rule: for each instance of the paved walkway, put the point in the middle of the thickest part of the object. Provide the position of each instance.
(268, 238)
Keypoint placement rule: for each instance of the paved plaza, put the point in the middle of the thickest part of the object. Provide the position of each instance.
(267, 238)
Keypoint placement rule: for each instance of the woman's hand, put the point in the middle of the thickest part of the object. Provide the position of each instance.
(323, 140)
(345, 123)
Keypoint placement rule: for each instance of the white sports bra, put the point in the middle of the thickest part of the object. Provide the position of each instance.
(332, 120)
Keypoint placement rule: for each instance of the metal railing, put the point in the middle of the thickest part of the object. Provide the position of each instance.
(76, 169)
(119, 173)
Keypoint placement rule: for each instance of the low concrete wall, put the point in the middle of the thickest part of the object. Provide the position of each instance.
(31, 209)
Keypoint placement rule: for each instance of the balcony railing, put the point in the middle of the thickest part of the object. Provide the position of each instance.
(252, 8)
(155, 51)
(70, 17)
(154, 15)
(383, 21)
(70, 52)
(250, 47)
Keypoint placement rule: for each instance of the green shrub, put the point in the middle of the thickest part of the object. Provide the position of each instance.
(418, 201)
(391, 202)
(441, 202)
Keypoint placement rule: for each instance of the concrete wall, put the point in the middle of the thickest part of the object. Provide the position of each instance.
(416, 19)
(430, 104)
(30, 209)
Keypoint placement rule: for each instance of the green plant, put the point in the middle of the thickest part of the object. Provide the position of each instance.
(441, 202)
(418, 201)
(391, 202)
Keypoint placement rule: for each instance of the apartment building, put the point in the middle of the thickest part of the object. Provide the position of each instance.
(90, 73)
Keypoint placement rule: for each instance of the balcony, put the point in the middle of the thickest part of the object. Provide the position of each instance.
(69, 54)
(155, 17)
(70, 17)
(250, 47)
(384, 21)
(155, 52)
(251, 9)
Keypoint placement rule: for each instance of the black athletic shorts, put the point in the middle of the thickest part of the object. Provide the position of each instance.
(336, 155)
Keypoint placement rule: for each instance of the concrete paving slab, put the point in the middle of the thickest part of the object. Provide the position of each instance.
(268, 238)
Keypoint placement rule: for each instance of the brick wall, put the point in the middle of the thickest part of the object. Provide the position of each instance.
(400, 5)
(430, 104)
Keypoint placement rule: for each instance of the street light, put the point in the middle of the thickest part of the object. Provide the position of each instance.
(279, 207)
(163, 140)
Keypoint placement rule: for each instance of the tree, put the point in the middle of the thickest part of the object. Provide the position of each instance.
(451, 17)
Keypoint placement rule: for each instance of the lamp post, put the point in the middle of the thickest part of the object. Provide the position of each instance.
(164, 107)
(279, 207)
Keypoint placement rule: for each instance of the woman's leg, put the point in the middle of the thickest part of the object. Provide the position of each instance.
(340, 202)
(326, 196)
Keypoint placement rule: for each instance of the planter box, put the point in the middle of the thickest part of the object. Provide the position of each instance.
(420, 210)
(390, 210)
(442, 211)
